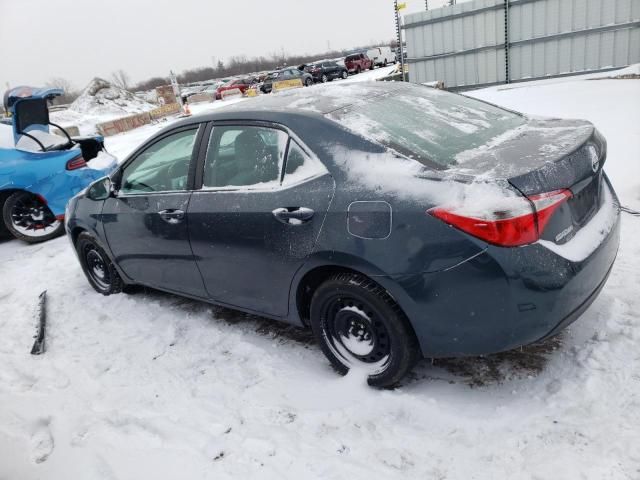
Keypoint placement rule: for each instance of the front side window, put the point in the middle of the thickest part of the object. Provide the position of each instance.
(244, 156)
(164, 166)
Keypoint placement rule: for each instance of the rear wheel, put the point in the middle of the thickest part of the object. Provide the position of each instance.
(324, 78)
(359, 326)
(97, 266)
(308, 82)
(28, 218)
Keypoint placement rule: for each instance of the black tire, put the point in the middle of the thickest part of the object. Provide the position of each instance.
(345, 74)
(308, 82)
(324, 78)
(358, 70)
(97, 266)
(357, 324)
(29, 219)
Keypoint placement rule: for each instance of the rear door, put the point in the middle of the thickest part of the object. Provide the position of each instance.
(145, 223)
(256, 219)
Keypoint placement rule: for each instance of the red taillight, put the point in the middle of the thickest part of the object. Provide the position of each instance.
(76, 163)
(510, 225)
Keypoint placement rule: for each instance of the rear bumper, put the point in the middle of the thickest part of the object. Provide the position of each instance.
(504, 298)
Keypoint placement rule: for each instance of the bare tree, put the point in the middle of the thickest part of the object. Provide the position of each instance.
(70, 92)
(121, 79)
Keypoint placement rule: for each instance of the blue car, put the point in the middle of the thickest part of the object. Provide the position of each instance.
(43, 171)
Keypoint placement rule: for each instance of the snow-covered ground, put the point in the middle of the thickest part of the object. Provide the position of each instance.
(157, 387)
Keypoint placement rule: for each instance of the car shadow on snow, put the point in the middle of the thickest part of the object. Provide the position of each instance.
(480, 371)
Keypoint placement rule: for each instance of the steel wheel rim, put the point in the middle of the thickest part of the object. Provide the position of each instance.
(356, 335)
(97, 267)
(32, 218)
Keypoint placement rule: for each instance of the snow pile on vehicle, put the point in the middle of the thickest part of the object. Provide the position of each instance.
(101, 97)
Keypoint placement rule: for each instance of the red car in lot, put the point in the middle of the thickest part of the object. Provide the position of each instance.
(241, 84)
(358, 62)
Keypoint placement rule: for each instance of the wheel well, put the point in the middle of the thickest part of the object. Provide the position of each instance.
(4, 194)
(75, 233)
(311, 281)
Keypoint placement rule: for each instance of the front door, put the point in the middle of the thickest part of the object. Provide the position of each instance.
(257, 217)
(145, 223)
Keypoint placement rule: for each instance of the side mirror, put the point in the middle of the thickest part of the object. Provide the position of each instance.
(100, 190)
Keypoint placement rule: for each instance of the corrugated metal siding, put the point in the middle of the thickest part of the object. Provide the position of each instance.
(464, 45)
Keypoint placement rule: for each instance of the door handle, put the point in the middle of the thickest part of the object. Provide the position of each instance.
(171, 216)
(293, 215)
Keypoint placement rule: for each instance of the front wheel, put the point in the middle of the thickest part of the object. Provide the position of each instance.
(324, 78)
(97, 266)
(345, 74)
(359, 326)
(28, 218)
(308, 82)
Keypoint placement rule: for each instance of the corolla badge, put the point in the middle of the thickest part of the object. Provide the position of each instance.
(593, 155)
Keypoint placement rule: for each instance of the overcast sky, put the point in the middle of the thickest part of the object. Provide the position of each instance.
(80, 39)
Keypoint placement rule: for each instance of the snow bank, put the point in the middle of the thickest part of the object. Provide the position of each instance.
(99, 102)
(103, 98)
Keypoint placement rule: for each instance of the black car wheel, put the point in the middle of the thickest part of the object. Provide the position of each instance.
(345, 74)
(359, 326)
(97, 266)
(308, 82)
(28, 218)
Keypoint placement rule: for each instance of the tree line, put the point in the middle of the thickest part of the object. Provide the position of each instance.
(235, 65)
(242, 64)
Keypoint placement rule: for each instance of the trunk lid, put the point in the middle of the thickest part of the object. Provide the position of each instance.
(545, 155)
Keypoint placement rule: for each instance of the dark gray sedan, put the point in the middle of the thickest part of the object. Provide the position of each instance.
(291, 73)
(397, 221)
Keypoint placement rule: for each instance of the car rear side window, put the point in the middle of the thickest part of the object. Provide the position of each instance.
(300, 165)
(244, 156)
(164, 166)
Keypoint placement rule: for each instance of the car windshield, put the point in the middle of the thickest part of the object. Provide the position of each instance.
(427, 124)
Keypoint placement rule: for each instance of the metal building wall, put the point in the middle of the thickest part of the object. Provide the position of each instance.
(464, 45)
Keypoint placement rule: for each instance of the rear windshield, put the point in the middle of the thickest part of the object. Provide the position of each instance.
(427, 124)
